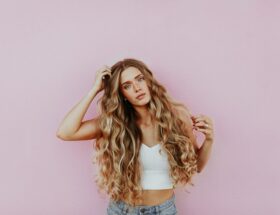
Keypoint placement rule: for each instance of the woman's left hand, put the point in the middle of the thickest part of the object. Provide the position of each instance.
(203, 124)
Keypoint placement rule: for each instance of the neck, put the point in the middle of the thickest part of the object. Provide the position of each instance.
(144, 116)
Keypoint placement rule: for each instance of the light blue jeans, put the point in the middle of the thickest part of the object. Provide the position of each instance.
(120, 208)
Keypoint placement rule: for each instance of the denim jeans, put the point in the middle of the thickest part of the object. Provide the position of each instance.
(119, 208)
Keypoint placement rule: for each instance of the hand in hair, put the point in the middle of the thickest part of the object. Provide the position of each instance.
(204, 124)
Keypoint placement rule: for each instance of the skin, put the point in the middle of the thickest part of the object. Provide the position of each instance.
(136, 86)
(132, 84)
(204, 124)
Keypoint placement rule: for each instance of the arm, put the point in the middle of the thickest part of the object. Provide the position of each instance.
(72, 127)
(185, 116)
(204, 151)
(204, 124)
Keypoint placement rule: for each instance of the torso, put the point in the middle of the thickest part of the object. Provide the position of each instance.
(153, 197)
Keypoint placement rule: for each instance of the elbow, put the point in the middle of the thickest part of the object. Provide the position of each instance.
(199, 168)
(60, 135)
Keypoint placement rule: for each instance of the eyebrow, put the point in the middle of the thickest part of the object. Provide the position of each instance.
(134, 78)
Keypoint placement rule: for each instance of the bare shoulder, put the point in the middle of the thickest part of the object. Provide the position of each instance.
(185, 115)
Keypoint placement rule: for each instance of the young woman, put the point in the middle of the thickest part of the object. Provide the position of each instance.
(145, 146)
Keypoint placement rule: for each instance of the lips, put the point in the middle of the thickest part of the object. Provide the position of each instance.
(140, 95)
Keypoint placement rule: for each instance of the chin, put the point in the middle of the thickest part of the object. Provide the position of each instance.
(143, 102)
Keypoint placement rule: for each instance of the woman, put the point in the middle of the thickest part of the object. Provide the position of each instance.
(145, 145)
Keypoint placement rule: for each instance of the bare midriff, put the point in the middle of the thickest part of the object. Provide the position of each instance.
(155, 197)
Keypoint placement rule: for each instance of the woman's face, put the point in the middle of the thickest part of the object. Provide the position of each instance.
(133, 84)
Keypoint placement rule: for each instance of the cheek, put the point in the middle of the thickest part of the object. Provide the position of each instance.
(147, 88)
(127, 93)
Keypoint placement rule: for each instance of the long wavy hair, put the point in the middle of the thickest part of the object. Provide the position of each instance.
(117, 150)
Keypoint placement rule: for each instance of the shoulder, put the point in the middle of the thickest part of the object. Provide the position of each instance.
(184, 114)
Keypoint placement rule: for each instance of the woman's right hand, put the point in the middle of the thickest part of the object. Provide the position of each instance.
(99, 80)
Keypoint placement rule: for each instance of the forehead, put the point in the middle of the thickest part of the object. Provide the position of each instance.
(129, 74)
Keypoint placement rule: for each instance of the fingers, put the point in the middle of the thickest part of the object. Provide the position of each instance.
(107, 68)
(203, 124)
(202, 121)
(200, 117)
(205, 131)
(104, 71)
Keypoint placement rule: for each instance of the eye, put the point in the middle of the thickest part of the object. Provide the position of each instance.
(141, 78)
(126, 86)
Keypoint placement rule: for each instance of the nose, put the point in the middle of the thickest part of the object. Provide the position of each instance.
(136, 87)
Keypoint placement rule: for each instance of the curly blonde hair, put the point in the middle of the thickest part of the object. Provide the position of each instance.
(117, 151)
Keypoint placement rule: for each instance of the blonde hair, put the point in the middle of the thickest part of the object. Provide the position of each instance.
(117, 151)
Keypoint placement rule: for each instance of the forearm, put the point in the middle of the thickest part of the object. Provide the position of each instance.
(73, 119)
(204, 153)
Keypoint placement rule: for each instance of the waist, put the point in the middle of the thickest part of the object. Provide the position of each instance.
(155, 197)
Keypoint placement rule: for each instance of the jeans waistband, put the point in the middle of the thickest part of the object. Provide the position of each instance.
(128, 208)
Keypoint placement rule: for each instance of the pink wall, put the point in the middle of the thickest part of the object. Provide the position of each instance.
(221, 58)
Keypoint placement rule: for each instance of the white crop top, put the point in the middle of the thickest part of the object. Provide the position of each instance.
(155, 174)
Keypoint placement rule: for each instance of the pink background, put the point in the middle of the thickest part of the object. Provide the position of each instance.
(221, 58)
